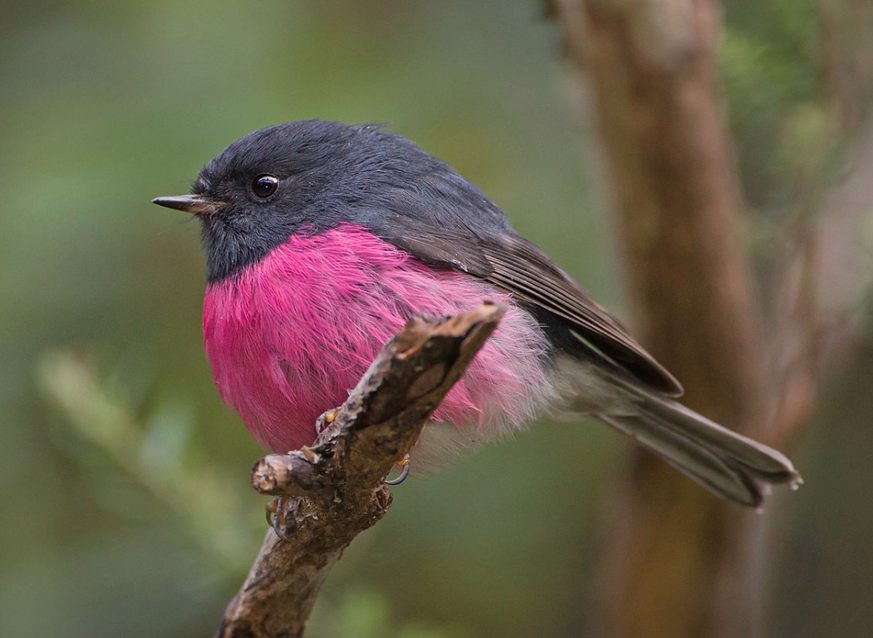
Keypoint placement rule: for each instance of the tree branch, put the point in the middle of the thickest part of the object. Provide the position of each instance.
(334, 488)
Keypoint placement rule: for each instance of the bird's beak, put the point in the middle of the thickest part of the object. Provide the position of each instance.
(194, 204)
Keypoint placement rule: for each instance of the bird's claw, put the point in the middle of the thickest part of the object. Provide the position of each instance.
(276, 516)
(326, 419)
(404, 465)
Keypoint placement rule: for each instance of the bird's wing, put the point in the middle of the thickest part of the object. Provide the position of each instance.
(520, 268)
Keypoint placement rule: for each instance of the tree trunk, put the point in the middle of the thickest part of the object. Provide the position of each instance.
(678, 562)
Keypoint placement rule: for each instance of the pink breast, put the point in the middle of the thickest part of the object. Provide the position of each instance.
(290, 335)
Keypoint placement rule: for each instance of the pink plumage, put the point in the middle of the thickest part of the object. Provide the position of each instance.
(292, 333)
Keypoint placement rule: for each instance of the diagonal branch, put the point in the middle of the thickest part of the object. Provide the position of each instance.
(334, 488)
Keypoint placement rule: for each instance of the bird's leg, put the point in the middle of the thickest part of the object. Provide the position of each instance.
(326, 419)
(403, 464)
(276, 516)
(276, 506)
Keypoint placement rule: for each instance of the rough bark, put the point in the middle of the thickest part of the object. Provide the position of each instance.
(335, 488)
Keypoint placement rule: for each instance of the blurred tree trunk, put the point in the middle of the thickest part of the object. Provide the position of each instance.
(678, 562)
(847, 54)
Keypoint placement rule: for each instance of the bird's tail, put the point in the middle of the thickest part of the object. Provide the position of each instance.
(727, 464)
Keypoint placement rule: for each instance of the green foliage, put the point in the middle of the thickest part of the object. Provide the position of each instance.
(366, 613)
(771, 61)
(147, 449)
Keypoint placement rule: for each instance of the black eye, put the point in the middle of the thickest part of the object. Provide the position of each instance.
(264, 185)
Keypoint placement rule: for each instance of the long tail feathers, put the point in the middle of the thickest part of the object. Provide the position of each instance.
(727, 464)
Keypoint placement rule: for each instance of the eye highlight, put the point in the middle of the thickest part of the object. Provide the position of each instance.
(264, 185)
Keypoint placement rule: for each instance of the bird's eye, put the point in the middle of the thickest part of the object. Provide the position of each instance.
(264, 185)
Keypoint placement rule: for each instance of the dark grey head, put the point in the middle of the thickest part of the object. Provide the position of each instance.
(309, 177)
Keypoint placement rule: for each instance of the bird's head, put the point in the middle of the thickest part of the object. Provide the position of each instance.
(305, 176)
(311, 176)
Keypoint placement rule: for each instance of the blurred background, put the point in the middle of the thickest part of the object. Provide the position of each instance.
(125, 497)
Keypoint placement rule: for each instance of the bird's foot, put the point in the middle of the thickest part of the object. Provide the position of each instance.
(276, 516)
(326, 419)
(403, 464)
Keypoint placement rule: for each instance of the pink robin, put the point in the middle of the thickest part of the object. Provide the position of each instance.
(322, 240)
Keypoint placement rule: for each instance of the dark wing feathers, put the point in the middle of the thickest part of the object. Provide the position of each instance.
(520, 268)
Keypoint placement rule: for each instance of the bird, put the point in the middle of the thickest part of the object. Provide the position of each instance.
(322, 239)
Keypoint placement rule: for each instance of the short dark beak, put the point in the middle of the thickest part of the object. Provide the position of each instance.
(194, 204)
